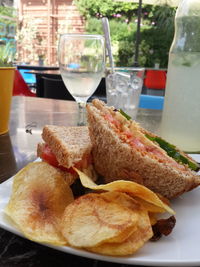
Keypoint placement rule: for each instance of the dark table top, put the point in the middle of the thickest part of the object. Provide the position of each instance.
(17, 148)
(37, 67)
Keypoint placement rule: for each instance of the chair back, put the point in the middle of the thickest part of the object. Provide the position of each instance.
(151, 102)
(155, 79)
(56, 89)
(20, 87)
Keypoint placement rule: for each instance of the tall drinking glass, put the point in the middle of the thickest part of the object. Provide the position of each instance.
(82, 64)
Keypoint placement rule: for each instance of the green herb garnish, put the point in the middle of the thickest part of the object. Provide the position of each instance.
(124, 114)
(173, 153)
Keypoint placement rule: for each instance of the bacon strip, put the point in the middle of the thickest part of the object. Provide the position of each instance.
(163, 227)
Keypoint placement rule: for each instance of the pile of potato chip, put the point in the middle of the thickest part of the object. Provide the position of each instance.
(38, 200)
(110, 223)
(115, 220)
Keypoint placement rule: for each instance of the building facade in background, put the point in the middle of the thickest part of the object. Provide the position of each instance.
(8, 24)
(39, 24)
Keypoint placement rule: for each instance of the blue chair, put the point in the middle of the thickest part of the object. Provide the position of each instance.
(28, 77)
(3, 40)
(151, 102)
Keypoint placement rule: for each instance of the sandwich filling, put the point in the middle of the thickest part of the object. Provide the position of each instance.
(47, 155)
(131, 133)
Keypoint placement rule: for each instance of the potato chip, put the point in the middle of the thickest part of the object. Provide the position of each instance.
(132, 243)
(122, 199)
(126, 201)
(93, 219)
(153, 218)
(129, 187)
(39, 198)
(149, 206)
(134, 204)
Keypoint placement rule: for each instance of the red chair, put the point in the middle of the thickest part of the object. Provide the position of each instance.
(155, 79)
(20, 87)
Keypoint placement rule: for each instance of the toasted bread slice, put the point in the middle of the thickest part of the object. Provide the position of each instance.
(69, 177)
(120, 156)
(72, 147)
(69, 144)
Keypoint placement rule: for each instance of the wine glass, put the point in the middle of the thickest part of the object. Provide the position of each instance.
(82, 65)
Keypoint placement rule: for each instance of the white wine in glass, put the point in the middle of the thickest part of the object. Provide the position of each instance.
(82, 65)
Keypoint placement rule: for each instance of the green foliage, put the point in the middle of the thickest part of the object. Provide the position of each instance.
(163, 16)
(122, 37)
(154, 48)
(108, 8)
(6, 56)
(156, 40)
(8, 12)
(157, 29)
(7, 45)
(119, 30)
(94, 25)
(125, 54)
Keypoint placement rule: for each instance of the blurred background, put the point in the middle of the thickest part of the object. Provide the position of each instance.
(30, 28)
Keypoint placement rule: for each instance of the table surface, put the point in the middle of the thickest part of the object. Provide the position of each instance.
(17, 148)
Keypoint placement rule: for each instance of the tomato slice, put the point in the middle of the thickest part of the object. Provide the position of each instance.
(112, 120)
(128, 134)
(137, 143)
(48, 156)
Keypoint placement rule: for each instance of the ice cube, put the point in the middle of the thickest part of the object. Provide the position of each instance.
(122, 81)
(136, 82)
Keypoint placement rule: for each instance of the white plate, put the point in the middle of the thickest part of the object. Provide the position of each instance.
(181, 248)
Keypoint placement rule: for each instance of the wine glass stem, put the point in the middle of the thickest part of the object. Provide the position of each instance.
(81, 114)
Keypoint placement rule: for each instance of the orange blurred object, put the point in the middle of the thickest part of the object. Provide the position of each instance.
(20, 87)
(155, 79)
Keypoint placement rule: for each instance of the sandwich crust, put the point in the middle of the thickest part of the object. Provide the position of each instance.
(69, 144)
(71, 147)
(116, 160)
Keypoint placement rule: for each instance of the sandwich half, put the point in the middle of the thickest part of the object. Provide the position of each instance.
(122, 149)
(65, 148)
